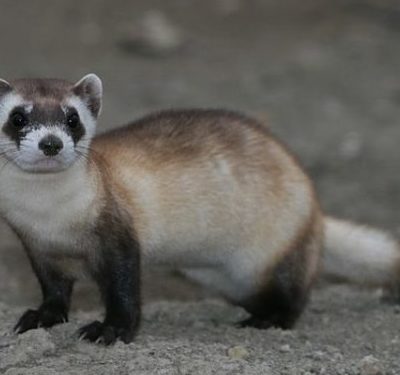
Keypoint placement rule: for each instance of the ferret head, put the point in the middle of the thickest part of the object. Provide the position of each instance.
(47, 124)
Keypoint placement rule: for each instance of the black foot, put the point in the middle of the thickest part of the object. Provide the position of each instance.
(105, 334)
(44, 317)
(260, 323)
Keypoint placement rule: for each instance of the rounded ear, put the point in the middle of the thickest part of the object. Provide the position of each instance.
(90, 90)
(4, 86)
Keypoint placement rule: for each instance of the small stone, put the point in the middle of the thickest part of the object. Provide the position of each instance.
(318, 354)
(154, 35)
(285, 348)
(351, 146)
(369, 346)
(238, 352)
(370, 365)
(395, 341)
(331, 349)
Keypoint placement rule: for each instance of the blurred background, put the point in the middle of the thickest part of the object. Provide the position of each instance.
(324, 74)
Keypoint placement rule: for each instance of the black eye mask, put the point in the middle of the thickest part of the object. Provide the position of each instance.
(16, 125)
(20, 122)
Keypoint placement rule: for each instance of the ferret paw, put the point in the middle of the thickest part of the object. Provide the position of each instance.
(106, 334)
(44, 317)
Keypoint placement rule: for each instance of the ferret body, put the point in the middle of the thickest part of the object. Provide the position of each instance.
(208, 192)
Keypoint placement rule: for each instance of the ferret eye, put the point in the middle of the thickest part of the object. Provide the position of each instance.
(73, 121)
(19, 120)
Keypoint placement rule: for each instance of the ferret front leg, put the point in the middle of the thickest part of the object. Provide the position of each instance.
(118, 277)
(56, 291)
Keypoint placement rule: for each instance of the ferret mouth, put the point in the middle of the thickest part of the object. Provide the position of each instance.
(48, 161)
(47, 164)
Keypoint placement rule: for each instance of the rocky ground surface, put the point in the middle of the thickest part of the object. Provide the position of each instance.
(325, 75)
(342, 332)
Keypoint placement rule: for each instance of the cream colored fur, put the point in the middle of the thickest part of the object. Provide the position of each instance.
(226, 233)
(360, 254)
(52, 211)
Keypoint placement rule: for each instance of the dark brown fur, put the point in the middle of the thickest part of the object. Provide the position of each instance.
(285, 294)
(35, 89)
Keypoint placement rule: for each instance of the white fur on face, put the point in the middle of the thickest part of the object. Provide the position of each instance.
(8, 102)
(86, 117)
(28, 156)
(31, 158)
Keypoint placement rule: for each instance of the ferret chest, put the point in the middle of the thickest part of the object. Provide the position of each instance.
(51, 215)
(45, 220)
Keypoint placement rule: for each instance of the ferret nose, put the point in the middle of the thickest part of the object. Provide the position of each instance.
(51, 145)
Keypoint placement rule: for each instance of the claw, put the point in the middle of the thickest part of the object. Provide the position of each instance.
(100, 333)
(45, 317)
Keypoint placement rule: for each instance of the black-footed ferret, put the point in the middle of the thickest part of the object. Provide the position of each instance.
(208, 192)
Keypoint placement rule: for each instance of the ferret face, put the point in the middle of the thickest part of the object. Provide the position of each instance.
(46, 125)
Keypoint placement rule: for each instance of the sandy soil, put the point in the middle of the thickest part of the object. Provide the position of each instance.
(326, 76)
(342, 332)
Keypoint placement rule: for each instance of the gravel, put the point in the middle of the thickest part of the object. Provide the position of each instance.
(342, 332)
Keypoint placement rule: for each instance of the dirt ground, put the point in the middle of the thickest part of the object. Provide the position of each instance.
(326, 76)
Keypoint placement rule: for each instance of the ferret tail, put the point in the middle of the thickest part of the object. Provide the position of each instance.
(360, 255)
